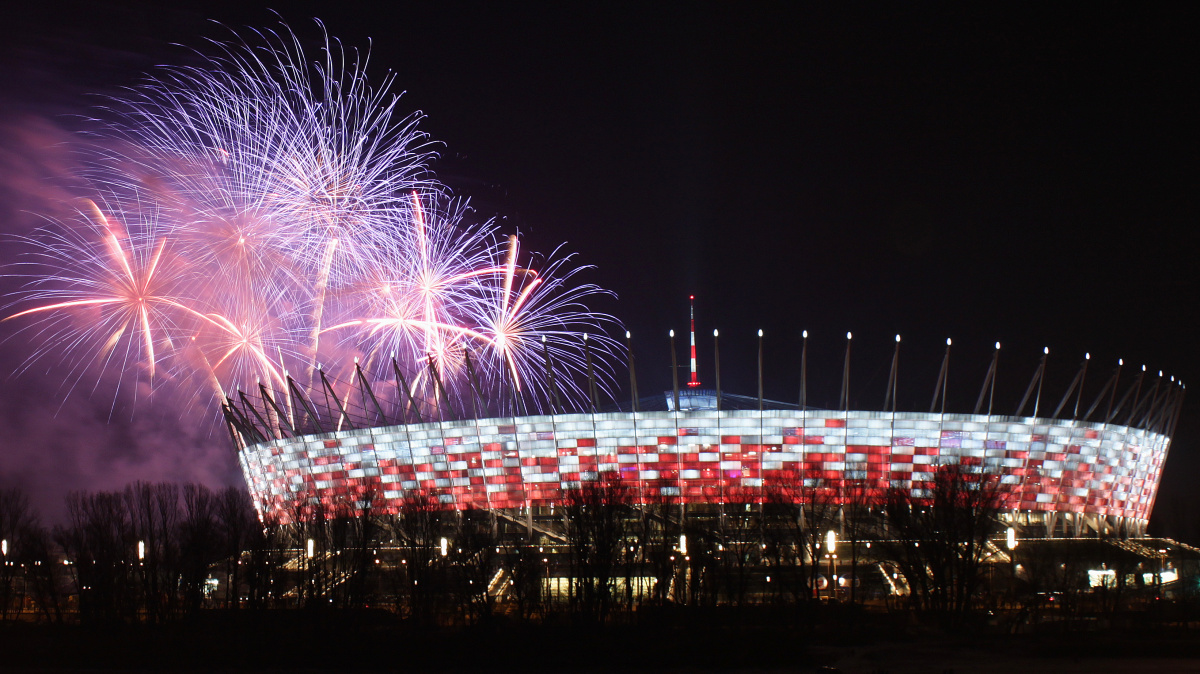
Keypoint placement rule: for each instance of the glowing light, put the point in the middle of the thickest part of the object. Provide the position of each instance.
(948, 342)
(141, 550)
(1011, 538)
(269, 211)
(445, 546)
(760, 332)
(312, 548)
(804, 334)
(897, 339)
(830, 541)
(997, 346)
(849, 336)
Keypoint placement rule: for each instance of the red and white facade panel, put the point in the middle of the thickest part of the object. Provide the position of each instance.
(709, 456)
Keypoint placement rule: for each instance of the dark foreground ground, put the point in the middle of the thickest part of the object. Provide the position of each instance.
(848, 642)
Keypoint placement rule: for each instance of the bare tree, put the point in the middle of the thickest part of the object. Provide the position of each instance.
(526, 571)
(658, 537)
(44, 578)
(199, 543)
(359, 532)
(859, 523)
(17, 521)
(821, 515)
(236, 520)
(99, 543)
(477, 562)
(787, 534)
(419, 528)
(596, 514)
(740, 544)
(267, 549)
(939, 538)
(701, 564)
(154, 521)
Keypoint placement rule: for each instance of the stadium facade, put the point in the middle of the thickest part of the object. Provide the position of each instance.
(1058, 477)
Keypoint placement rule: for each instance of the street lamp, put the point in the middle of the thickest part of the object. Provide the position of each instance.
(831, 546)
(1010, 542)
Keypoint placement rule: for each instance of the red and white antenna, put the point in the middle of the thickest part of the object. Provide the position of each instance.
(692, 303)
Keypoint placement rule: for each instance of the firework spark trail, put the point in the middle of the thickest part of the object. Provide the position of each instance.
(241, 209)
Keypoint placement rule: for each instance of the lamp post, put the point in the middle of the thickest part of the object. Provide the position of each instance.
(1158, 580)
(831, 546)
(1010, 542)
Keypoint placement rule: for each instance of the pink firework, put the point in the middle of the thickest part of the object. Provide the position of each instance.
(255, 217)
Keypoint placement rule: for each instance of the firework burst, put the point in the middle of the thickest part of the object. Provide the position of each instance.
(258, 215)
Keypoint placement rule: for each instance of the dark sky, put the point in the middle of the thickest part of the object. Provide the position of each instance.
(1025, 174)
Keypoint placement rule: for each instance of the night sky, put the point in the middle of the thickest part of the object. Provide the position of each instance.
(1024, 175)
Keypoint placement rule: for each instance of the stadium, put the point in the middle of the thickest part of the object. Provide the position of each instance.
(1056, 476)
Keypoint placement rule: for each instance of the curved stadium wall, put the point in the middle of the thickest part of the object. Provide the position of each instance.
(1055, 472)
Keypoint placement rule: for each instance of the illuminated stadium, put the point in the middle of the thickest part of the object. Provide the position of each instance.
(1086, 472)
